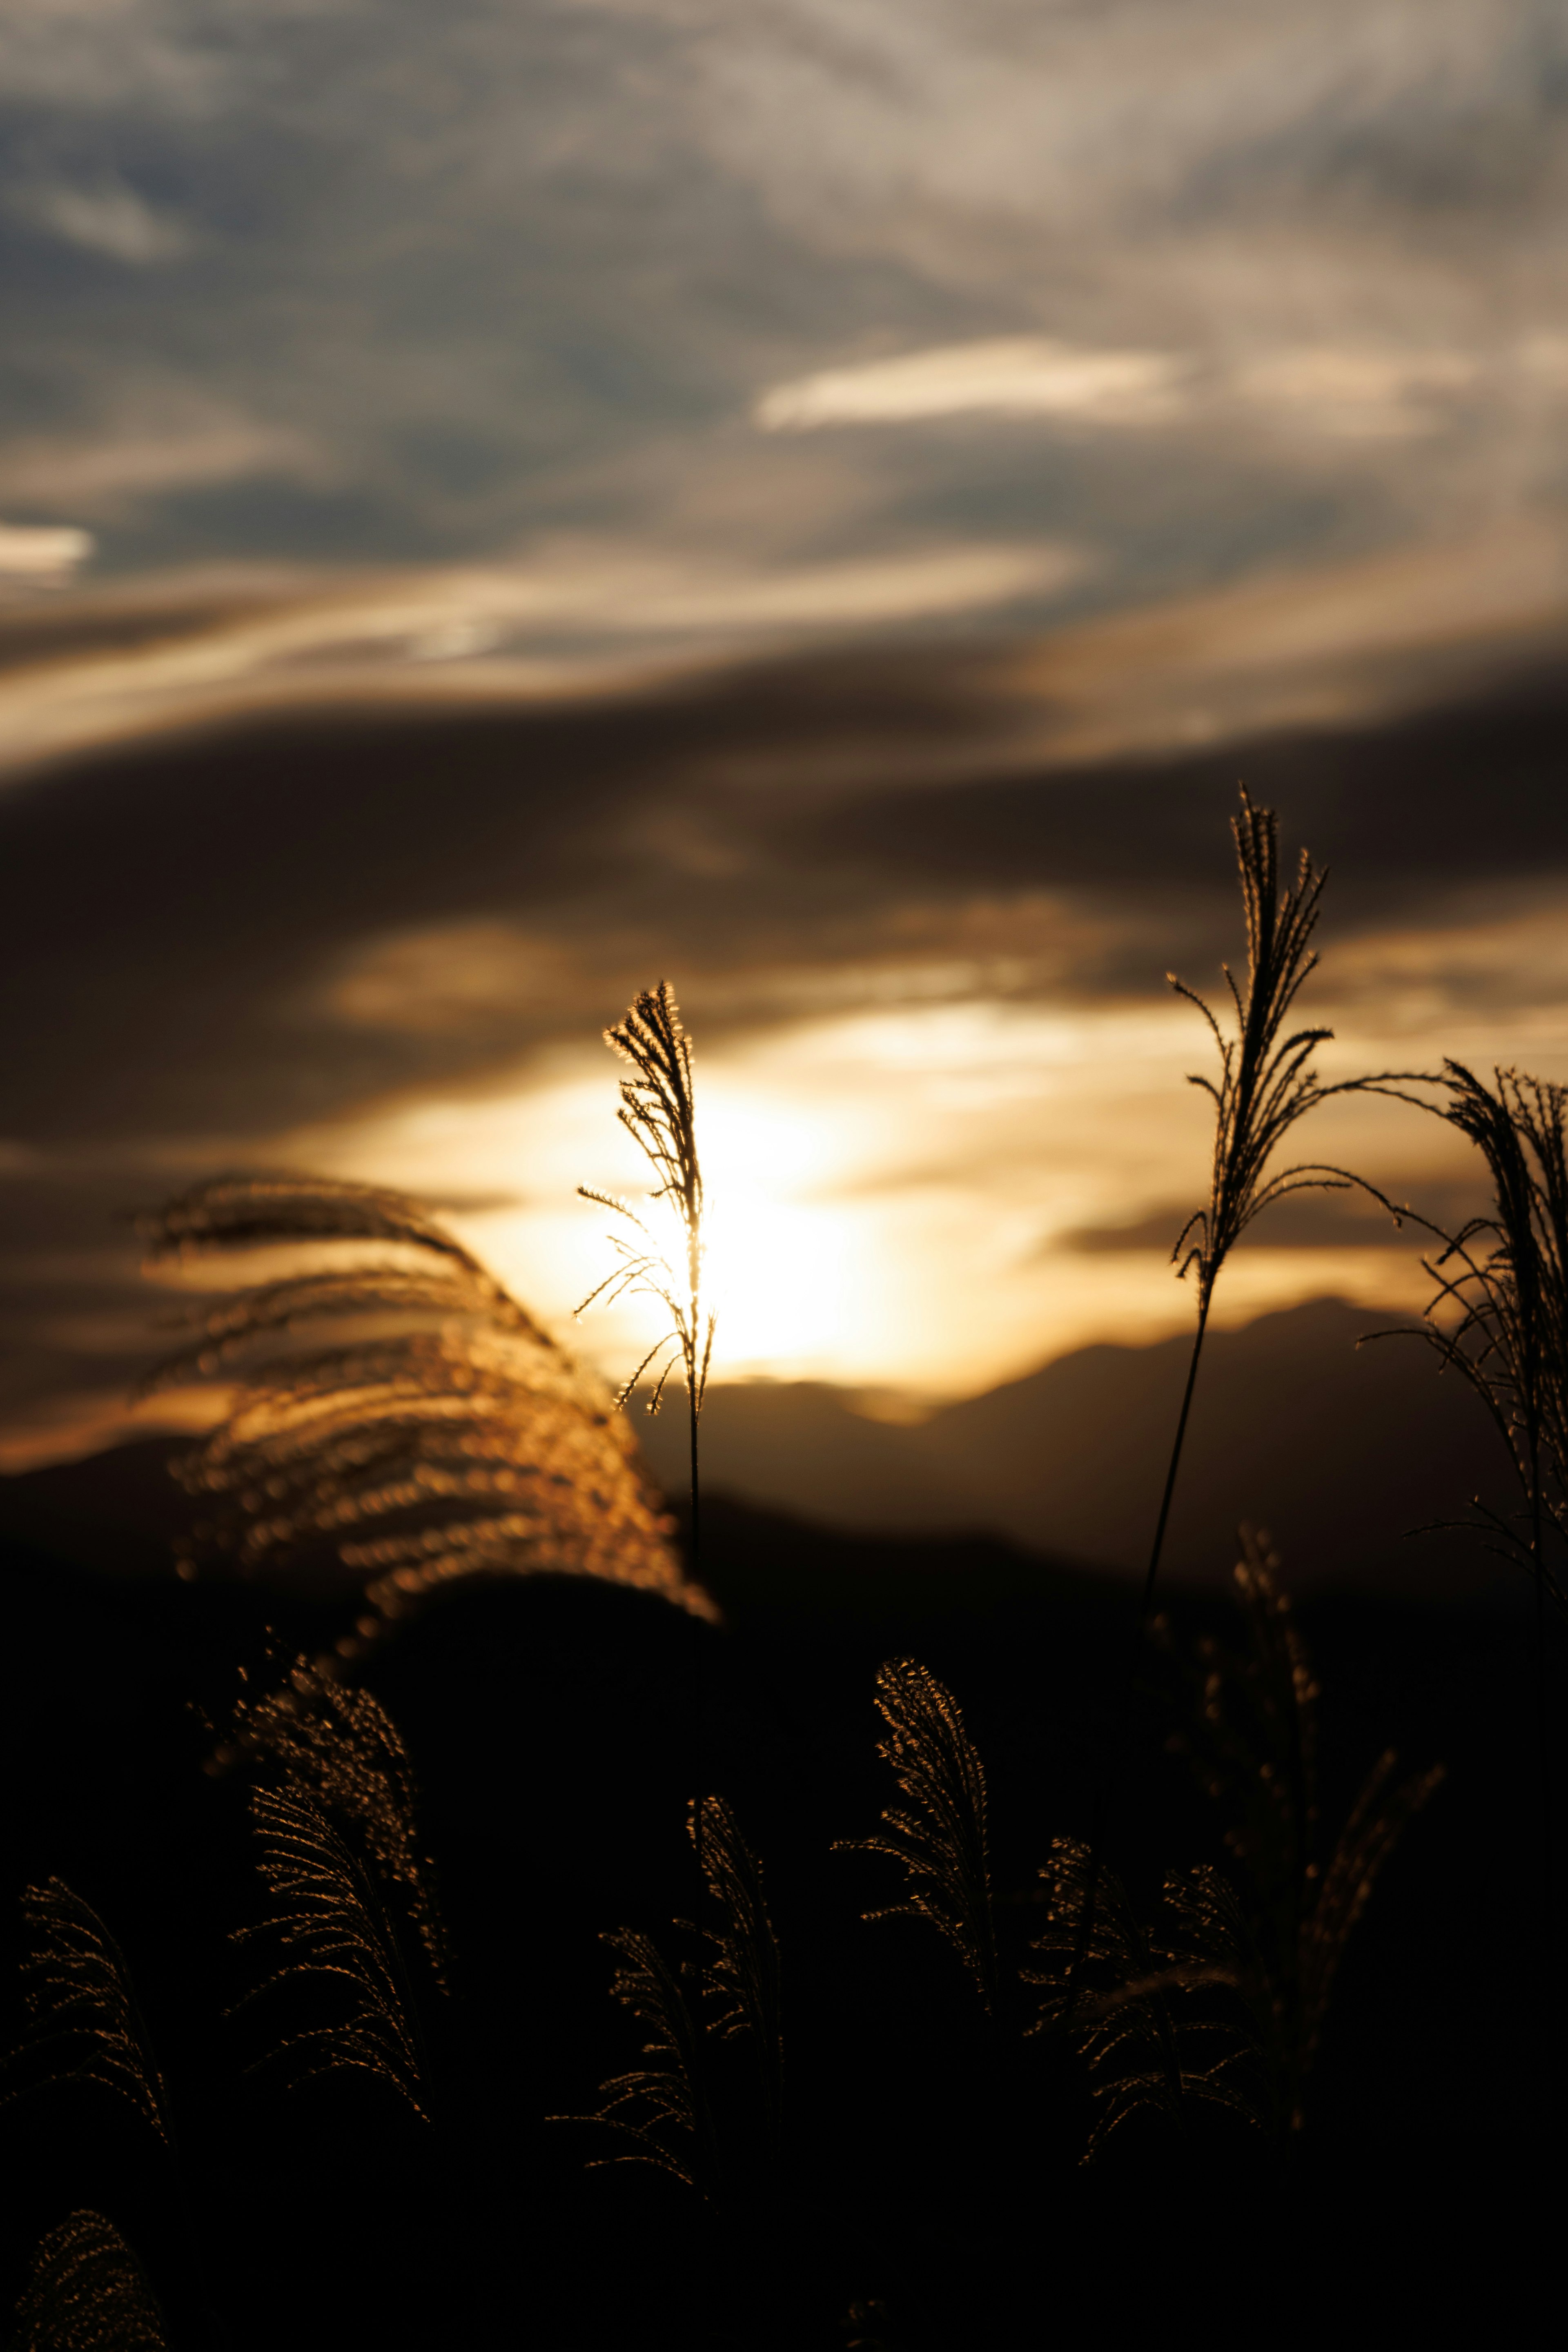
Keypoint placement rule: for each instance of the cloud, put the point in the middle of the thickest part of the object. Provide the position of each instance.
(1024, 376)
(511, 272)
(108, 472)
(1304, 1221)
(1363, 394)
(41, 555)
(108, 218)
(576, 619)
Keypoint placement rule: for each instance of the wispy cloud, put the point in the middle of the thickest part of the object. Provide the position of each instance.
(37, 555)
(574, 619)
(1021, 376)
(105, 216)
(139, 456)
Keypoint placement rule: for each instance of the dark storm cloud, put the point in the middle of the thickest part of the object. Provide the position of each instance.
(243, 927)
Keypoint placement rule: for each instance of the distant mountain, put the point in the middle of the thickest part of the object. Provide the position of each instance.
(1339, 1450)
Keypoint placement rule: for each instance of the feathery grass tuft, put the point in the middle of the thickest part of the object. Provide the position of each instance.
(1251, 1739)
(659, 2109)
(335, 1936)
(941, 1840)
(659, 1110)
(339, 1746)
(86, 2292)
(743, 1975)
(85, 2024)
(1128, 1999)
(406, 1410)
(1500, 1315)
(669, 2112)
(1267, 1085)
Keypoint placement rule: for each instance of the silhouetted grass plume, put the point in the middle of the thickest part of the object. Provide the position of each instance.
(85, 2024)
(1267, 1085)
(940, 1839)
(402, 1409)
(711, 2129)
(1250, 1734)
(86, 2292)
(338, 1746)
(659, 1110)
(338, 1944)
(1499, 1315)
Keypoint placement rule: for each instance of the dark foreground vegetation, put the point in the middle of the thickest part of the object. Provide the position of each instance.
(927, 2168)
(464, 1906)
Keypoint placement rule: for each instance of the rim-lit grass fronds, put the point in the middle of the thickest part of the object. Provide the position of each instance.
(659, 2109)
(1251, 1738)
(1499, 1315)
(685, 2114)
(85, 2024)
(1267, 1085)
(403, 1410)
(659, 1110)
(335, 1937)
(86, 2292)
(339, 1746)
(1139, 2003)
(743, 1975)
(939, 1839)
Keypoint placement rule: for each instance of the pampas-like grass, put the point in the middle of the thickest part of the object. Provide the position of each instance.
(939, 1839)
(1499, 1317)
(1250, 1735)
(1267, 1085)
(406, 1410)
(744, 1978)
(658, 2109)
(85, 2024)
(659, 1110)
(86, 2292)
(335, 1939)
(672, 2112)
(1126, 1999)
(339, 1747)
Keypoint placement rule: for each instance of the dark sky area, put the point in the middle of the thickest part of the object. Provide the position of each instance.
(500, 505)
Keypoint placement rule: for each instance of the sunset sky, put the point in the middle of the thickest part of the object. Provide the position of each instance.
(821, 502)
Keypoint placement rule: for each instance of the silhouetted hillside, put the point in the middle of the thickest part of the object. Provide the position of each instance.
(1341, 1450)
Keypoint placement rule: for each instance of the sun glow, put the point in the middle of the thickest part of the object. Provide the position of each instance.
(778, 1263)
(892, 1198)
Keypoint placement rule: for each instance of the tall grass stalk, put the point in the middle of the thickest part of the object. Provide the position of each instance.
(941, 1838)
(1498, 1318)
(658, 1109)
(1265, 1084)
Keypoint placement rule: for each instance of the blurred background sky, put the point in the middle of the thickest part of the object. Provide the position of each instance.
(820, 499)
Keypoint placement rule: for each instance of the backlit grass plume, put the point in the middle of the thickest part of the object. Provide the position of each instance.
(658, 1109)
(1266, 1086)
(1250, 1735)
(659, 2109)
(399, 1407)
(338, 1745)
(684, 2113)
(338, 1949)
(742, 1980)
(1134, 2000)
(86, 2292)
(85, 2024)
(1500, 1320)
(1499, 1315)
(939, 1839)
